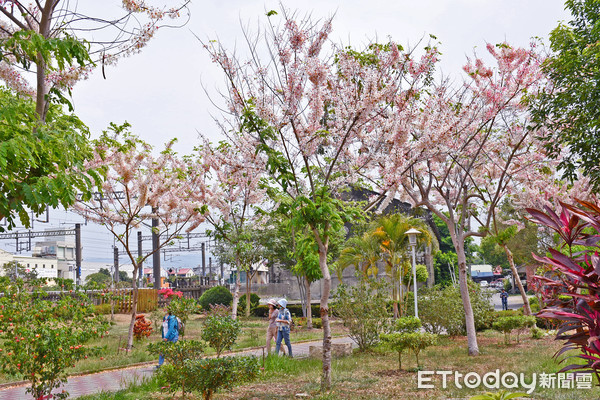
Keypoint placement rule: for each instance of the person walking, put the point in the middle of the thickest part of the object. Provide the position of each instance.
(283, 322)
(272, 328)
(170, 333)
(504, 298)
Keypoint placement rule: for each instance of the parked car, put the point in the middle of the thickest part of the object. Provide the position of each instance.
(484, 284)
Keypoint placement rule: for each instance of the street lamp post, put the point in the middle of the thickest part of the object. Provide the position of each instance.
(412, 241)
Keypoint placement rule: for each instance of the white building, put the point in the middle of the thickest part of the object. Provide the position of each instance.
(62, 249)
(45, 267)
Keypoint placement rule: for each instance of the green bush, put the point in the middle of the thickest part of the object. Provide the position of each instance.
(537, 333)
(317, 323)
(408, 324)
(220, 331)
(362, 308)
(295, 310)
(254, 300)
(208, 375)
(176, 354)
(216, 295)
(181, 308)
(102, 309)
(42, 339)
(441, 309)
(514, 323)
(534, 304)
(415, 341)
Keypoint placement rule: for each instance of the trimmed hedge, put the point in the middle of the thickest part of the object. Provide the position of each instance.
(295, 310)
(254, 300)
(215, 295)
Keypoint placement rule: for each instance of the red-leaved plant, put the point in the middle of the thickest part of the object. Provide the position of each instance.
(571, 288)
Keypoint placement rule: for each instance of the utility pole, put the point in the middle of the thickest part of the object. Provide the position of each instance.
(116, 264)
(203, 260)
(78, 254)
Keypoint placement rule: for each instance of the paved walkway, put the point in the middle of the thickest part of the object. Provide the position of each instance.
(112, 381)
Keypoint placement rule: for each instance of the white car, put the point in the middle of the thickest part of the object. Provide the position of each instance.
(484, 284)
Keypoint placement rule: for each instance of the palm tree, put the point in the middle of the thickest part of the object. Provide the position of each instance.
(363, 252)
(390, 231)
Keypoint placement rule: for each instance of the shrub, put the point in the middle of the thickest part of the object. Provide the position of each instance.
(254, 300)
(220, 330)
(142, 327)
(362, 308)
(208, 375)
(261, 311)
(40, 338)
(102, 309)
(508, 324)
(407, 336)
(317, 323)
(407, 324)
(216, 295)
(536, 333)
(182, 307)
(176, 354)
(422, 274)
(441, 309)
(534, 304)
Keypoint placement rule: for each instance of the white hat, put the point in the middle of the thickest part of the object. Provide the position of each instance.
(282, 302)
(272, 302)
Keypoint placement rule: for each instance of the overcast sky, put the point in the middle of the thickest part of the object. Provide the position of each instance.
(160, 91)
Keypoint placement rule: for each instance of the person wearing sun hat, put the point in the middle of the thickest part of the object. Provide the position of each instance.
(284, 322)
(272, 329)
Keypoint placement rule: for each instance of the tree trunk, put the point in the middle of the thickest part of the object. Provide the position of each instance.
(326, 374)
(41, 102)
(236, 294)
(464, 294)
(248, 294)
(134, 301)
(308, 305)
(513, 268)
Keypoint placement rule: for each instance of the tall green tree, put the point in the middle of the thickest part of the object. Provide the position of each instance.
(41, 165)
(569, 108)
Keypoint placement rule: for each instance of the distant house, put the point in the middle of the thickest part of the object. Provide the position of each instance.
(259, 272)
(181, 273)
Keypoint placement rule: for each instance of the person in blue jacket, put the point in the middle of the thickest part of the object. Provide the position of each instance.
(283, 322)
(170, 333)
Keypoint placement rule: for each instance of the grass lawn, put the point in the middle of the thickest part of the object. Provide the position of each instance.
(113, 353)
(375, 376)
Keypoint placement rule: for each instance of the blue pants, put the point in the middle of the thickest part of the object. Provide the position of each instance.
(283, 334)
(505, 304)
(161, 358)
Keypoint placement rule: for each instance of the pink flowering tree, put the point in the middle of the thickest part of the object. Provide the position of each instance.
(235, 171)
(317, 114)
(474, 147)
(60, 45)
(139, 187)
